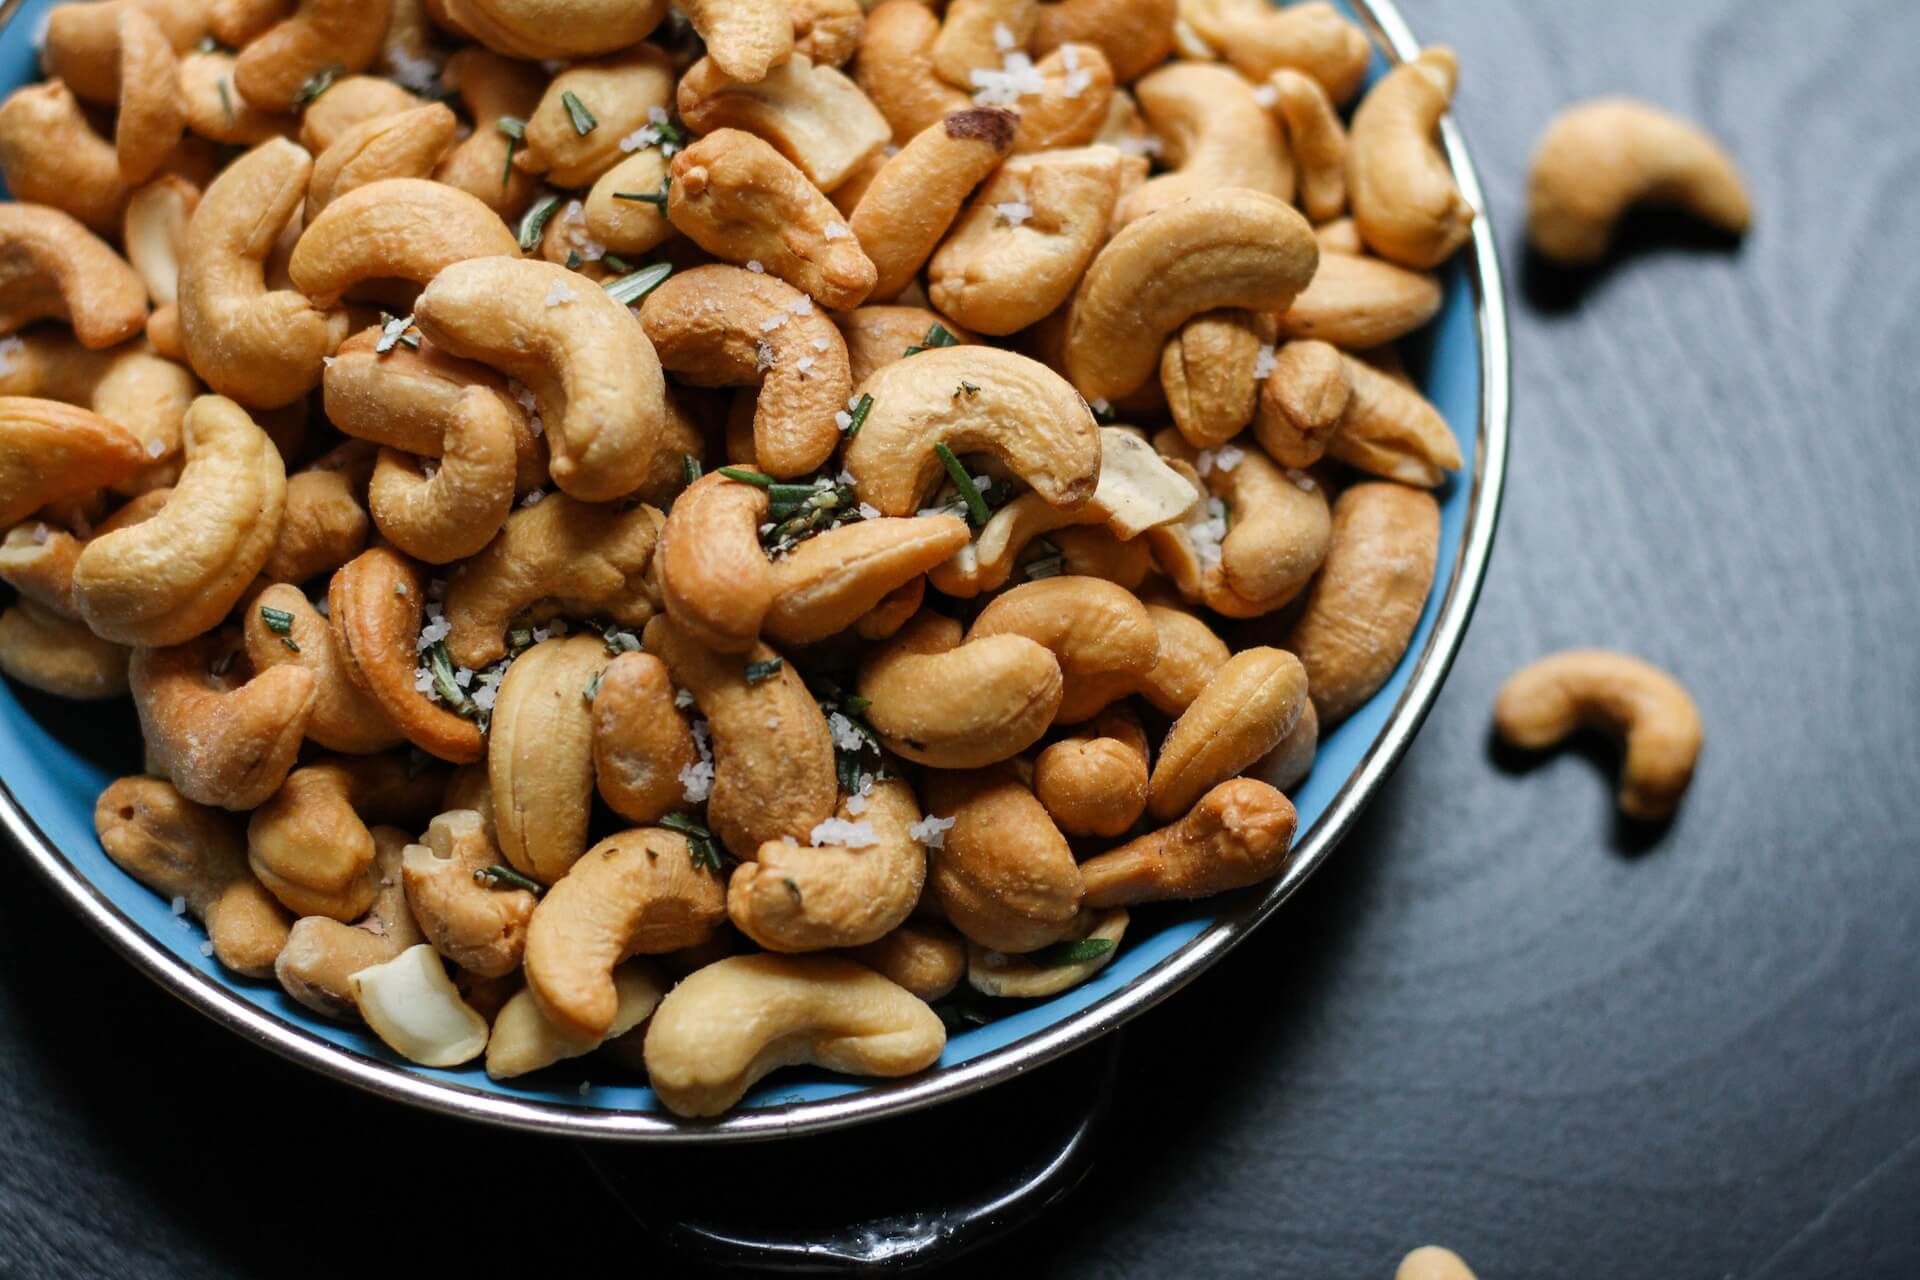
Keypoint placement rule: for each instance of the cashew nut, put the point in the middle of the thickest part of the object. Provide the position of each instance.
(275, 67)
(1289, 763)
(895, 68)
(456, 511)
(916, 194)
(620, 93)
(1259, 39)
(827, 31)
(310, 844)
(1216, 134)
(1208, 370)
(1431, 1262)
(971, 36)
(641, 741)
(346, 105)
(959, 706)
(540, 755)
(221, 739)
(51, 155)
(877, 335)
(37, 559)
(57, 654)
(396, 228)
(1005, 876)
(614, 219)
(406, 145)
(1249, 706)
(924, 956)
(480, 927)
(745, 38)
(827, 583)
(812, 114)
(1135, 35)
(993, 973)
(1623, 696)
(52, 267)
(152, 116)
(1278, 534)
(1303, 402)
(1389, 429)
(1357, 301)
(1318, 140)
(321, 955)
(128, 386)
(1101, 635)
(81, 42)
(524, 1040)
(344, 717)
(50, 452)
(1094, 783)
(323, 525)
(413, 1006)
(1190, 656)
(1238, 834)
(555, 28)
(1405, 202)
(493, 88)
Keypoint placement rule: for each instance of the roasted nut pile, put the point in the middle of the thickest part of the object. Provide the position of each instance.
(700, 533)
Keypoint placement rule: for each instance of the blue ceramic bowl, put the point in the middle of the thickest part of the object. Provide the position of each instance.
(56, 757)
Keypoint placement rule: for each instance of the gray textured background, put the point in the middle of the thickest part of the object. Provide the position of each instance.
(1494, 1020)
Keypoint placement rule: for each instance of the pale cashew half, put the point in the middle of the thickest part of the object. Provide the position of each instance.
(396, 228)
(1232, 248)
(974, 400)
(1362, 610)
(1598, 158)
(51, 155)
(1238, 834)
(221, 739)
(456, 511)
(798, 897)
(481, 927)
(773, 765)
(642, 743)
(275, 67)
(591, 367)
(1405, 201)
(412, 1005)
(1216, 134)
(523, 1039)
(540, 755)
(1318, 139)
(812, 114)
(52, 267)
(1209, 373)
(57, 654)
(175, 575)
(994, 973)
(895, 68)
(745, 38)
(322, 954)
(1630, 699)
(1259, 39)
(1100, 633)
(50, 452)
(183, 850)
(407, 145)
(728, 327)
(636, 893)
(555, 28)
(152, 115)
(154, 232)
(621, 93)
(1004, 875)
(1094, 783)
(1249, 706)
(1136, 35)
(344, 717)
(494, 88)
(957, 706)
(310, 844)
(829, 582)
(701, 1057)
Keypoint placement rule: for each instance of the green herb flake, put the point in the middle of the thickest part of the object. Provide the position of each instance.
(615, 263)
(226, 99)
(630, 288)
(440, 667)
(619, 642)
(592, 689)
(498, 874)
(534, 222)
(937, 336)
(746, 476)
(1046, 567)
(966, 388)
(289, 642)
(977, 512)
(1061, 954)
(393, 330)
(656, 198)
(321, 81)
(690, 467)
(519, 639)
(757, 672)
(278, 621)
(704, 851)
(858, 418)
(583, 121)
(516, 131)
(853, 704)
(573, 259)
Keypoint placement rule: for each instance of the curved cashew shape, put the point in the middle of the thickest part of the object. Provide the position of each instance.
(1190, 656)
(180, 849)
(1289, 763)
(584, 559)
(829, 582)
(1632, 700)
(56, 654)
(1250, 705)
(52, 267)
(813, 115)
(939, 702)
(879, 335)
(1360, 302)
(1094, 551)
(715, 581)
(128, 386)
(1238, 834)
(216, 111)
(317, 964)
(1303, 402)
(1207, 372)
(456, 511)
(635, 893)
(1405, 202)
(481, 928)
(1388, 428)
(1216, 135)
(1135, 35)
(407, 145)
(523, 1040)
(1070, 108)
(348, 104)
(37, 559)
(50, 452)
(310, 844)
(918, 192)
(1259, 39)
(773, 759)
(622, 93)
(970, 36)
(540, 755)
(175, 575)
(1100, 633)
(262, 347)
(1010, 407)
(727, 327)
(745, 38)
(895, 68)
(344, 717)
(1319, 142)
(1599, 158)
(1005, 876)
(833, 1013)
(397, 228)
(222, 741)
(593, 371)
(641, 740)
(993, 973)
(51, 155)
(1094, 783)
(796, 897)
(323, 525)
(1278, 535)
(556, 28)
(492, 86)
(1361, 613)
(275, 66)
(152, 115)
(81, 42)
(1232, 248)
(628, 226)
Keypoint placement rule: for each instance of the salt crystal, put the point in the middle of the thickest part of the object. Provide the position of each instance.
(931, 831)
(1069, 57)
(837, 232)
(1228, 457)
(9, 347)
(819, 344)
(206, 948)
(156, 448)
(682, 699)
(1301, 480)
(640, 139)
(415, 73)
(1077, 83)
(696, 781)
(1266, 95)
(851, 835)
(1263, 363)
(178, 906)
(534, 498)
(558, 295)
(869, 512)
(856, 804)
(763, 358)
(658, 115)
(754, 265)
(463, 676)
(773, 322)
(845, 735)
(803, 364)
(1003, 38)
(1014, 211)
(843, 420)
(801, 306)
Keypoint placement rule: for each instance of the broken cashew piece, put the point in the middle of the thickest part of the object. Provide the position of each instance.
(939, 702)
(812, 115)
(745, 38)
(322, 954)
(413, 1006)
(1405, 202)
(222, 740)
(1237, 834)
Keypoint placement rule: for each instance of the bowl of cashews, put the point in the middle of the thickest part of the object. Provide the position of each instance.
(730, 571)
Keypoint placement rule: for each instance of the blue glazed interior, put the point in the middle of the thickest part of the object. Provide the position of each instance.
(56, 783)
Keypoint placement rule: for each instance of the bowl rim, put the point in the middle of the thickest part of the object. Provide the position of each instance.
(944, 1084)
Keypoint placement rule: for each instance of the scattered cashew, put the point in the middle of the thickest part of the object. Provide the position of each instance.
(957, 706)
(1004, 876)
(1190, 655)
(620, 93)
(1250, 705)
(641, 741)
(828, 31)
(277, 66)
(321, 955)
(1101, 635)
(523, 1039)
(222, 740)
(993, 973)
(52, 267)
(59, 655)
(812, 114)
(344, 717)
(895, 68)
(1405, 202)
(1259, 38)
(480, 927)
(1094, 783)
(1237, 834)
(619, 222)
(924, 956)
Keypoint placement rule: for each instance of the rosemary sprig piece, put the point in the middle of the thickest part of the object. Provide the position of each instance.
(630, 288)
(440, 667)
(937, 336)
(534, 222)
(581, 118)
(858, 418)
(757, 672)
(493, 877)
(1066, 953)
(516, 131)
(977, 511)
(702, 848)
(321, 81)
(393, 330)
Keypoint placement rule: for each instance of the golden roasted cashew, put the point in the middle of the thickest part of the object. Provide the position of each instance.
(715, 581)
(827, 583)
(591, 368)
(1096, 551)
(1319, 142)
(262, 347)
(986, 563)
(828, 31)
(1339, 236)
(739, 199)
(407, 145)
(344, 717)
(81, 42)
(175, 575)
(1431, 1262)
(479, 926)
(1216, 135)
(918, 192)
(1389, 429)
(1357, 301)
(1363, 608)
(374, 604)
(310, 844)
(895, 68)
(1249, 706)
(893, 612)
(576, 557)
(323, 525)
(221, 739)
(1101, 635)
(1094, 782)
(1191, 655)
(555, 28)
(939, 702)
(1290, 762)
(216, 111)
(50, 155)
(57, 654)
(1405, 202)
(621, 93)
(1238, 834)
(1599, 158)
(1135, 35)
(773, 767)
(1209, 370)
(877, 335)
(616, 221)
(180, 849)
(642, 744)
(396, 228)
(974, 400)
(37, 558)
(540, 755)
(993, 973)
(455, 511)
(1303, 401)
(1232, 248)
(1004, 875)
(1259, 39)
(636, 893)
(975, 34)
(524, 1040)
(51, 451)
(1070, 106)
(52, 267)
(346, 105)
(812, 114)
(924, 956)
(275, 67)
(317, 964)
(840, 891)
(1629, 699)
(721, 326)
(494, 88)
(701, 1057)
(1278, 532)
(152, 116)
(745, 38)
(129, 386)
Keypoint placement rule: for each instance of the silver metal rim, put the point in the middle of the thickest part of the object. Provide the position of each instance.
(1008, 1061)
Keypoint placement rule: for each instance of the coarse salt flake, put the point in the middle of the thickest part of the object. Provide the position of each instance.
(640, 139)
(156, 448)
(1077, 83)
(763, 358)
(835, 231)
(1266, 95)
(657, 115)
(773, 322)
(534, 498)
(1015, 212)
(803, 364)
(801, 306)
(558, 295)
(845, 735)
(1263, 363)
(819, 344)
(696, 781)
(1228, 456)
(206, 948)
(178, 906)
(756, 266)
(843, 420)
(931, 831)
(869, 512)
(851, 835)
(1003, 38)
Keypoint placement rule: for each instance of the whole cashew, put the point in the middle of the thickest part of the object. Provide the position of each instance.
(1101, 635)
(344, 717)
(494, 88)
(1249, 706)
(970, 36)
(1318, 140)
(1303, 402)
(1070, 106)
(1232, 248)
(50, 452)
(595, 374)
(222, 740)
(217, 112)
(57, 654)
(1095, 782)
(918, 192)
(1259, 39)
(833, 1013)
(481, 928)
(959, 706)
(407, 145)
(128, 386)
(81, 42)
(1216, 135)
(1357, 301)
(152, 115)
(1005, 876)
(1405, 202)
(714, 578)
(317, 964)
(180, 849)
(1598, 158)
(1389, 429)
(1208, 370)
(635, 893)
(455, 512)
(556, 28)
(621, 93)
(797, 897)
(895, 68)
(346, 105)
(1191, 655)
(51, 155)
(641, 741)
(1632, 700)
(1238, 834)
(52, 267)
(880, 335)
(827, 583)
(1361, 613)
(524, 1040)
(745, 38)
(397, 228)
(175, 575)
(274, 68)
(812, 114)
(540, 755)
(37, 559)
(993, 973)
(1135, 35)
(724, 326)
(323, 525)
(1279, 531)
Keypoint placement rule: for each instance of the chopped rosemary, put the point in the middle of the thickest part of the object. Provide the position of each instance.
(289, 642)
(224, 663)
(690, 467)
(440, 667)
(516, 131)
(592, 689)
(853, 704)
(630, 288)
(966, 388)
(937, 336)
(534, 222)
(657, 198)
(209, 45)
(226, 99)
(1046, 567)
(702, 848)
(583, 121)
(1065, 953)
(499, 874)
(519, 639)
(615, 263)
(761, 671)
(858, 418)
(746, 476)
(393, 329)
(321, 81)
(278, 621)
(618, 642)
(573, 259)
(977, 511)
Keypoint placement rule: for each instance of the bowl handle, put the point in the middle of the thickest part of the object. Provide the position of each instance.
(715, 1206)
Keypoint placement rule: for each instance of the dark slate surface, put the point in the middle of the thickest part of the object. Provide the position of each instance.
(1495, 1020)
